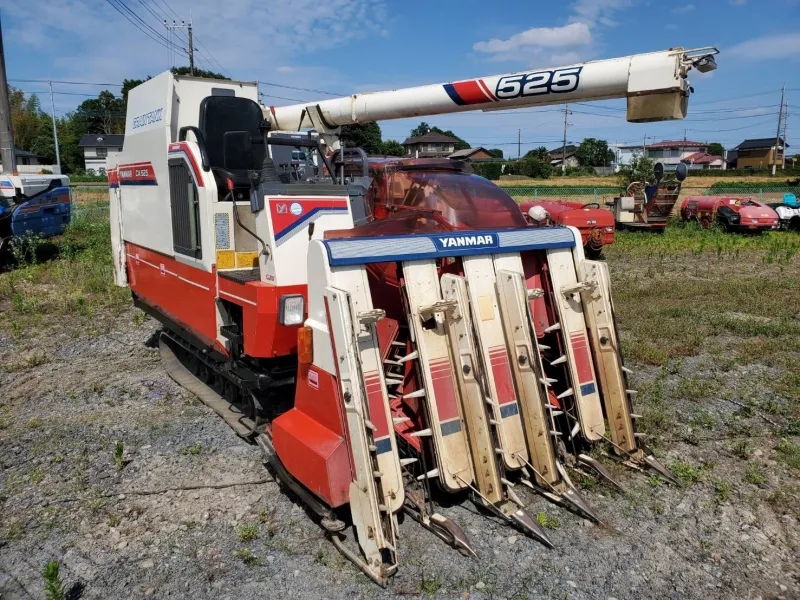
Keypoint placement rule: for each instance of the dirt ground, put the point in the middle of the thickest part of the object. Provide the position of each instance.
(137, 490)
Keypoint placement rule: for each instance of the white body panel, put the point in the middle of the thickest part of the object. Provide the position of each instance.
(479, 272)
(443, 406)
(157, 109)
(288, 245)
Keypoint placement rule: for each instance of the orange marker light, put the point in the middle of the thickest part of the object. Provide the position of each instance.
(305, 346)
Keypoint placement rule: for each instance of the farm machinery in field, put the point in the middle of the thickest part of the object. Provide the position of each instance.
(734, 213)
(788, 212)
(33, 205)
(381, 343)
(648, 206)
(595, 224)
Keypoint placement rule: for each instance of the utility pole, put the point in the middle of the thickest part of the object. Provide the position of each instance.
(55, 130)
(6, 133)
(785, 122)
(519, 144)
(191, 51)
(564, 147)
(778, 133)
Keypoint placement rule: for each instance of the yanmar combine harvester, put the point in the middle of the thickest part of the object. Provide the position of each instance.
(378, 347)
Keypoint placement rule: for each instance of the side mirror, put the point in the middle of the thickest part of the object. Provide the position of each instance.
(658, 169)
(681, 171)
(237, 150)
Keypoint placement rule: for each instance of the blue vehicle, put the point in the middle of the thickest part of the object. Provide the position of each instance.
(33, 205)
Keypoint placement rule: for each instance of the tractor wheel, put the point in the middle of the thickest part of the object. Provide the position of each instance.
(794, 224)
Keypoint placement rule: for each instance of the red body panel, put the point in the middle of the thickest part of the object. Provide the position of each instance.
(595, 224)
(182, 293)
(532, 268)
(310, 438)
(264, 336)
(314, 455)
(753, 214)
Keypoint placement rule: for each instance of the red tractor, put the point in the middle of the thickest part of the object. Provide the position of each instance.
(595, 224)
(733, 213)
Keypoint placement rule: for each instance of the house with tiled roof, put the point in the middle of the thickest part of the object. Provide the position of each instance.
(430, 145)
(759, 153)
(703, 160)
(669, 153)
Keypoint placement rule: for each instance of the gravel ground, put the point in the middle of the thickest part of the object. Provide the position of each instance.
(190, 511)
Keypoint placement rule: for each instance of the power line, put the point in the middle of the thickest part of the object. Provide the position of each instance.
(156, 38)
(300, 89)
(64, 82)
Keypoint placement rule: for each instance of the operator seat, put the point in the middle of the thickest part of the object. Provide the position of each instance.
(221, 115)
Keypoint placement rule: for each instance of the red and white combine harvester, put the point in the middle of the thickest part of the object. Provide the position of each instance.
(377, 346)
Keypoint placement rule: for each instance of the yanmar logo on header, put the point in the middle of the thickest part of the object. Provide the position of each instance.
(486, 240)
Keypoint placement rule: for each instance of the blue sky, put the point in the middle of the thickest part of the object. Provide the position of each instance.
(344, 46)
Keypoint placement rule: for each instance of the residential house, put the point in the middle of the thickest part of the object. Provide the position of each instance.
(565, 153)
(669, 153)
(472, 155)
(430, 145)
(98, 148)
(731, 158)
(28, 162)
(701, 160)
(759, 153)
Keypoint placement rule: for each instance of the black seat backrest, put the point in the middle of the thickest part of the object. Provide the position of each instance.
(222, 114)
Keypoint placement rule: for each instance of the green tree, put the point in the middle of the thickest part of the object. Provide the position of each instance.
(541, 153)
(363, 135)
(594, 153)
(198, 73)
(531, 166)
(420, 129)
(716, 149)
(392, 148)
(640, 169)
(496, 152)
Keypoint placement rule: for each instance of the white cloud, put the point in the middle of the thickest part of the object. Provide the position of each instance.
(285, 69)
(574, 34)
(572, 42)
(597, 11)
(683, 9)
(246, 38)
(767, 47)
(738, 2)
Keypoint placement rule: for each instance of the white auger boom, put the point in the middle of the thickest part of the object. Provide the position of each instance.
(379, 326)
(655, 85)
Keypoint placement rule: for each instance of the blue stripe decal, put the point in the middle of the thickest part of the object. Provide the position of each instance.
(451, 91)
(451, 427)
(140, 182)
(384, 445)
(509, 410)
(588, 388)
(388, 248)
(299, 223)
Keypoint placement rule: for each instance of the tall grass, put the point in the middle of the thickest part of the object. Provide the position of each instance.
(689, 239)
(71, 275)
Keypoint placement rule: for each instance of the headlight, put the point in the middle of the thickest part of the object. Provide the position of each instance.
(609, 228)
(292, 309)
